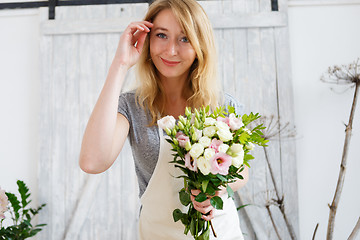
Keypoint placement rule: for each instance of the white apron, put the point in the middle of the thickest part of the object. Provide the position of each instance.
(161, 197)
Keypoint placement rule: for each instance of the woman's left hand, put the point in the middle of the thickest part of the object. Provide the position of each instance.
(204, 207)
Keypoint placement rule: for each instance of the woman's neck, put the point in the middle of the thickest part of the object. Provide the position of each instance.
(176, 95)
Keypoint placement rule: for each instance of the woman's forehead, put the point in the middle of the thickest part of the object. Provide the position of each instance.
(166, 20)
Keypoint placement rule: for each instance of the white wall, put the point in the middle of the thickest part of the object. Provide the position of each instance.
(19, 99)
(320, 36)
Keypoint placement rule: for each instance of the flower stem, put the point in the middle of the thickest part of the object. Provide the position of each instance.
(212, 228)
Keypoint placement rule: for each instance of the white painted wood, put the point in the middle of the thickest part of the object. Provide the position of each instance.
(115, 25)
(86, 198)
(77, 49)
(296, 3)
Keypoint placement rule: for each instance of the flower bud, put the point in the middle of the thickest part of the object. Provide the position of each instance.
(194, 137)
(197, 124)
(181, 125)
(174, 131)
(197, 114)
(188, 112)
(168, 131)
(175, 141)
(182, 119)
(188, 146)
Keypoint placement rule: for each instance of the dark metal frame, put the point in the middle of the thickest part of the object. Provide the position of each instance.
(52, 4)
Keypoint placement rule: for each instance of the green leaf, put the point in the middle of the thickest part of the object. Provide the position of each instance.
(210, 190)
(248, 157)
(201, 197)
(177, 215)
(205, 235)
(230, 191)
(242, 206)
(204, 185)
(217, 202)
(24, 193)
(207, 109)
(231, 109)
(192, 226)
(184, 197)
(221, 177)
(15, 204)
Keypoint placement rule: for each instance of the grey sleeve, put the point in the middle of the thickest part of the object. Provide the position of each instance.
(123, 106)
(230, 100)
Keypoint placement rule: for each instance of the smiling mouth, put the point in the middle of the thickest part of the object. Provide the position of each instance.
(169, 63)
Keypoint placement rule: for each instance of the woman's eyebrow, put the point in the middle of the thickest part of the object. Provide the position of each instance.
(160, 28)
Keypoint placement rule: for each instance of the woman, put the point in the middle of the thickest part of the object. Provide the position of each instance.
(176, 61)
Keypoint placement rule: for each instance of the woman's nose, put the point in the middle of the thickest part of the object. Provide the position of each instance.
(172, 47)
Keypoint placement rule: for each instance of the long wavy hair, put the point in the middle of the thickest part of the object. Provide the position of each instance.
(203, 72)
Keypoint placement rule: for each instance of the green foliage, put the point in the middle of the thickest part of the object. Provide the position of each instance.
(21, 215)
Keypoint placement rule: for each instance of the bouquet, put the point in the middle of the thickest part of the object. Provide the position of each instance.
(211, 149)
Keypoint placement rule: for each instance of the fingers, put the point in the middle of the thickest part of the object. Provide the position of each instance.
(204, 207)
(208, 216)
(143, 26)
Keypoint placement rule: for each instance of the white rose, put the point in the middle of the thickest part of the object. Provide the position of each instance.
(205, 141)
(209, 121)
(209, 153)
(198, 133)
(222, 126)
(236, 148)
(209, 131)
(223, 148)
(249, 146)
(204, 165)
(166, 122)
(238, 160)
(196, 150)
(234, 122)
(225, 135)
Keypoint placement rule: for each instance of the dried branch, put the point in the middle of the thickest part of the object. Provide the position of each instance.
(316, 228)
(273, 131)
(272, 221)
(355, 231)
(350, 75)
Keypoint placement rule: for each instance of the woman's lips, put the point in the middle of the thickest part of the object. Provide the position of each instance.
(170, 63)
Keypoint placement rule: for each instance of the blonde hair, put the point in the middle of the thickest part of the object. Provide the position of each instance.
(203, 72)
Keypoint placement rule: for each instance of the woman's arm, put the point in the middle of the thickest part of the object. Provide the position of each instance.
(107, 130)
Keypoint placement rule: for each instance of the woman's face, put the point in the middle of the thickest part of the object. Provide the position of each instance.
(170, 50)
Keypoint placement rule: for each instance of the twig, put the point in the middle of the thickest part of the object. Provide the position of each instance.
(279, 200)
(272, 221)
(355, 231)
(340, 183)
(316, 228)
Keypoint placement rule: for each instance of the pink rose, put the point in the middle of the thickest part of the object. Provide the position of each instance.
(225, 120)
(3, 203)
(234, 122)
(190, 163)
(215, 144)
(220, 163)
(182, 139)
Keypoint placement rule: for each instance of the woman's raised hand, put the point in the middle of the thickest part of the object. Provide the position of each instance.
(131, 43)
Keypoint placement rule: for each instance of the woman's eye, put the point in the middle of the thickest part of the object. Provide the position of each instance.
(161, 35)
(185, 39)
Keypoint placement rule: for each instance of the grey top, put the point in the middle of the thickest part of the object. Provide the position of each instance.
(144, 140)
